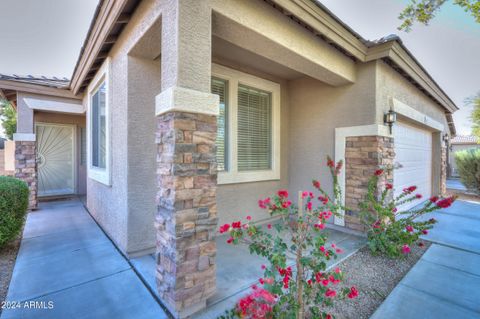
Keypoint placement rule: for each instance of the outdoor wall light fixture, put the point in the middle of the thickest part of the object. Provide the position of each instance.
(389, 118)
(446, 138)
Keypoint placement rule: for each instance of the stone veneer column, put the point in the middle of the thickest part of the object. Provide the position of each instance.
(364, 155)
(26, 168)
(187, 212)
(443, 171)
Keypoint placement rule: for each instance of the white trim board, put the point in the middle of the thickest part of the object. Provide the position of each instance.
(341, 134)
(414, 115)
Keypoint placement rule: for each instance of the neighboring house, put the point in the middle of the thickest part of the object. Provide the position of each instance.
(459, 143)
(196, 109)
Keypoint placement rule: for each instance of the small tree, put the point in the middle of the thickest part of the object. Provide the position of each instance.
(8, 117)
(468, 164)
(424, 10)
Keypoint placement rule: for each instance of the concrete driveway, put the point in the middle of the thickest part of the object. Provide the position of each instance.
(445, 283)
(68, 268)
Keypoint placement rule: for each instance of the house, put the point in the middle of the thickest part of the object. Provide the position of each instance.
(181, 114)
(460, 143)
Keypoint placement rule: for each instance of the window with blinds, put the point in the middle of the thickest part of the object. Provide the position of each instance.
(220, 87)
(254, 142)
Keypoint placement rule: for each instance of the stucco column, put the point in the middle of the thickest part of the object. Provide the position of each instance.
(186, 160)
(25, 150)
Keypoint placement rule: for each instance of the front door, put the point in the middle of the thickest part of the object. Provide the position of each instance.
(55, 159)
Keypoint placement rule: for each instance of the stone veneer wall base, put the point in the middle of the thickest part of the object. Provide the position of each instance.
(187, 213)
(26, 168)
(364, 155)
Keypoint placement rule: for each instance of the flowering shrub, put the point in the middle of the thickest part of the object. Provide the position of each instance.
(391, 232)
(296, 283)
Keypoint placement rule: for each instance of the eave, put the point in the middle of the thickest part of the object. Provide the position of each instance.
(37, 89)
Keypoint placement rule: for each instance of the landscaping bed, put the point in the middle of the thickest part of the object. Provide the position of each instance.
(375, 277)
(8, 255)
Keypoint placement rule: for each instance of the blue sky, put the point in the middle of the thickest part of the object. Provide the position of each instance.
(51, 33)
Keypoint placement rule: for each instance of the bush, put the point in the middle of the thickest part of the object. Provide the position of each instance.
(13, 206)
(296, 282)
(468, 164)
(391, 232)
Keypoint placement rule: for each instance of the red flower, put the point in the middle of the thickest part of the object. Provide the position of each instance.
(339, 251)
(446, 202)
(409, 228)
(406, 249)
(224, 228)
(378, 172)
(418, 196)
(394, 209)
(353, 293)
(330, 163)
(388, 186)
(261, 281)
(410, 189)
(230, 240)
(324, 200)
(318, 276)
(330, 293)
(337, 270)
(316, 184)
(328, 316)
(269, 226)
(420, 244)
(283, 193)
(325, 282)
(249, 217)
(286, 204)
(319, 226)
(425, 232)
(309, 205)
(264, 203)
(236, 224)
(304, 194)
(263, 266)
(433, 199)
(322, 249)
(309, 282)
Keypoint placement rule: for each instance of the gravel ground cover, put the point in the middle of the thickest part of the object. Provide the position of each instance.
(8, 255)
(375, 277)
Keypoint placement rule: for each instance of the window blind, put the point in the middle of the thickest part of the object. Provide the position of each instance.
(99, 145)
(254, 129)
(219, 87)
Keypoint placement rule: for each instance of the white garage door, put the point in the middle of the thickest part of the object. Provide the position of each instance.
(413, 150)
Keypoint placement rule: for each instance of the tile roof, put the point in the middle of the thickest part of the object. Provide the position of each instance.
(60, 83)
(465, 139)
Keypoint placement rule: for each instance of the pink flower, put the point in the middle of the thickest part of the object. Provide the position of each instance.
(325, 282)
(378, 172)
(249, 217)
(418, 196)
(322, 249)
(394, 209)
(269, 226)
(339, 251)
(324, 200)
(316, 184)
(353, 293)
(330, 293)
(304, 194)
(264, 203)
(425, 232)
(330, 163)
(406, 249)
(388, 186)
(309, 205)
(409, 228)
(319, 226)
(337, 270)
(230, 240)
(263, 266)
(309, 282)
(283, 193)
(224, 228)
(409, 189)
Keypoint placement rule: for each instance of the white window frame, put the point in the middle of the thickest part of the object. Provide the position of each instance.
(101, 175)
(234, 78)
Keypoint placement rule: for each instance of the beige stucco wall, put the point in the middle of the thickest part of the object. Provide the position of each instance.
(9, 157)
(79, 122)
(316, 109)
(111, 205)
(390, 84)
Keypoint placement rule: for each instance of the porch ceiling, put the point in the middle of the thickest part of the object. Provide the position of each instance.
(254, 27)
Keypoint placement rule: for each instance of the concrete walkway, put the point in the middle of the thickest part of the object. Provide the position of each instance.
(65, 259)
(445, 283)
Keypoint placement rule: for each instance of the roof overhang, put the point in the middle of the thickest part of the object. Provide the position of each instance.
(37, 89)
